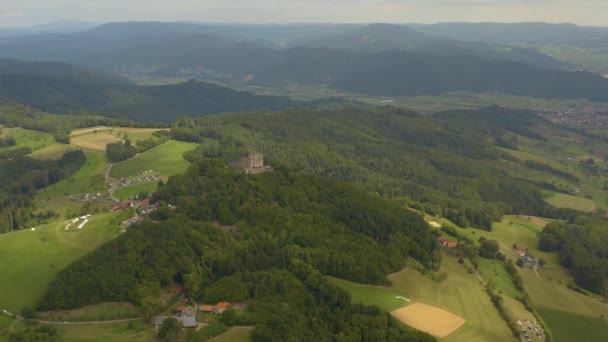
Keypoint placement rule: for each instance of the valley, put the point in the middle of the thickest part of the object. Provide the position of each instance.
(177, 182)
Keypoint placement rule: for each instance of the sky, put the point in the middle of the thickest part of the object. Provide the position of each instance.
(29, 12)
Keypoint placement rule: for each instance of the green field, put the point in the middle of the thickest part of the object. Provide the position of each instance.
(52, 151)
(495, 273)
(567, 327)
(29, 260)
(134, 190)
(28, 138)
(547, 289)
(98, 312)
(462, 294)
(165, 159)
(573, 202)
(96, 138)
(381, 296)
(89, 179)
(234, 334)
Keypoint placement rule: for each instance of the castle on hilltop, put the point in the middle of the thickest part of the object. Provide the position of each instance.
(252, 164)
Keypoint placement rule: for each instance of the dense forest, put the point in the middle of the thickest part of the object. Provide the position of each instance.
(444, 167)
(69, 95)
(20, 177)
(274, 235)
(583, 246)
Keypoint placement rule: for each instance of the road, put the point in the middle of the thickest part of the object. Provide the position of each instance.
(10, 314)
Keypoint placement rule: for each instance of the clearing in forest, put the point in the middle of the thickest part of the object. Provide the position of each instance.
(430, 319)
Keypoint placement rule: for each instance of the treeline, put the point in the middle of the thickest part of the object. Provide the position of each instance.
(583, 247)
(7, 142)
(120, 151)
(21, 177)
(18, 115)
(437, 164)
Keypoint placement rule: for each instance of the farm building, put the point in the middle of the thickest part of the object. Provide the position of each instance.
(442, 241)
(187, 321)
(122, 205)
(221, 307)
(452, 244)
(521, 251)
(206, 308)
(131, 221)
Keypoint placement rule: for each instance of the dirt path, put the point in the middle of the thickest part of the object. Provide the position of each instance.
(7, 313)
(107, 178)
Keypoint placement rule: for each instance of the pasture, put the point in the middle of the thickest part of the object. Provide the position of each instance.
(569, 201)
(134, 190)
(96, 138)
(567, 327)
(234, 334)
(28, 138)
(547, 288)
(95, 141)
(460, 293)
(165, 159)
(427, 318)
(52, 151)
(386, 298)
(29, 260)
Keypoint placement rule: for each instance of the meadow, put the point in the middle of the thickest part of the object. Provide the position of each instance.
(234, 334)
(31, 259)
(569, 201)
(89, 179)
(28, 138)
(547, 288)
(165, 159)
(134, 190)
(386, 298)
(567, 327)
(96, 138)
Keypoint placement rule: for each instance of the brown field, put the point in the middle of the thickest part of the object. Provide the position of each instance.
(94, 141)
(430, 319)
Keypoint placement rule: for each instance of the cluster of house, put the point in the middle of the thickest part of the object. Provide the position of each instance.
(144, 209)
(187, 314)
(443, 242)
(529, 328)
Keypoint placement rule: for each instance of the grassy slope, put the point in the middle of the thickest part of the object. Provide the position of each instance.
(166, 159)
(28, 138)
(96, 138)
(235, 334)
(567, 327)
(30, 259)
(89, 179)
(462, 294)
(569, 201)
(134, 190)
(380, 296)
(548, 289)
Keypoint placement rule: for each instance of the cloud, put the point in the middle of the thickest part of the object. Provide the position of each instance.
(11, 14)
(590, 12)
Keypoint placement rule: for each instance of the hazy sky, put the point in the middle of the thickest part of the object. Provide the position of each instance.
(26, 12)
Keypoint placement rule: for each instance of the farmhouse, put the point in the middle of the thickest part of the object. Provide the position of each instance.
(452, 244)
(122, 205)
(221, 307)
(442, 241)
(187, 321)
(206, 308)
(131, 221)
(521, 251)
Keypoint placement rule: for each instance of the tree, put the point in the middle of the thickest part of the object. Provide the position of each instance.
(519, 263)
(488, 249)
(169, 330)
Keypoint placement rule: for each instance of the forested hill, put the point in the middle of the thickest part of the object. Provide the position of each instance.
(445, 168)
(431, 68)
(76, 94)
(284, 230)
(386, 37)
